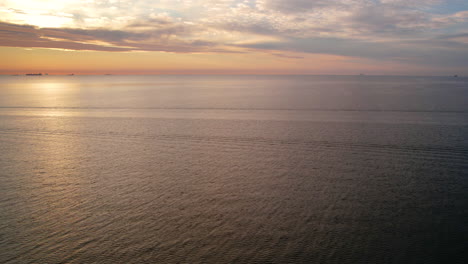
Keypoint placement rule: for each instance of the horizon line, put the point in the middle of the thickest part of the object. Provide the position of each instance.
(71, 74)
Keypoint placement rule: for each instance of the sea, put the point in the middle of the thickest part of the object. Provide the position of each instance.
(233, 169)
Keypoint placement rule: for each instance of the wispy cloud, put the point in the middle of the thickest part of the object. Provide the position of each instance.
(154, 39)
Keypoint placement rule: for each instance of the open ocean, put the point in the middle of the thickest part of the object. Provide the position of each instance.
(233, 169)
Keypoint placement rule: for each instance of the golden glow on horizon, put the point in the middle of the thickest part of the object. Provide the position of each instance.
(54, 61)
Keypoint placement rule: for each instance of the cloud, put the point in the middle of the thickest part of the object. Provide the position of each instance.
(411, 3)
(430, 51)
(162, 39)
(454, 36)
(28, 36)
(281, 55)
(302, 6)
(376, 20)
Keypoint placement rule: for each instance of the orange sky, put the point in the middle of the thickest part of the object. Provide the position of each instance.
(54, 61)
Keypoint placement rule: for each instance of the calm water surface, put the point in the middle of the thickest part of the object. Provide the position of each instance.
(233, 169)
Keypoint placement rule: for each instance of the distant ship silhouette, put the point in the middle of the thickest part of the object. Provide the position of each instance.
(33, 74)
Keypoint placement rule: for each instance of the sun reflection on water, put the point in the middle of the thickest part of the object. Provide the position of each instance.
(53, 94)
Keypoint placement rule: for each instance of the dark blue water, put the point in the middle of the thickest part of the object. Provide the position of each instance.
(233, 169)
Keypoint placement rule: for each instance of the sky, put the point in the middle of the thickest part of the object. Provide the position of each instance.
(389, 37)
